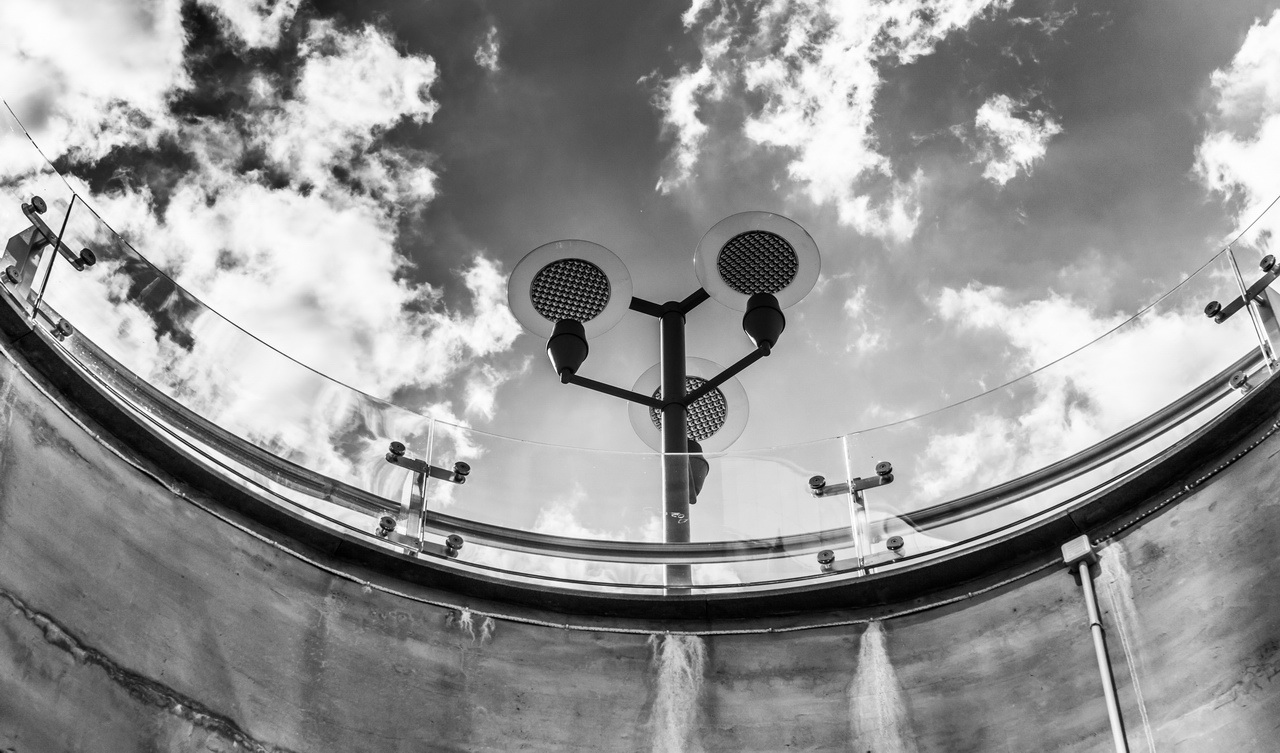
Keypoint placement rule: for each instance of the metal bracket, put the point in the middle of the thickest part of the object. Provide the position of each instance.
(422, 470)
(1219, 313)
(26, 248)
(894, 551)
(819, 487)
(396, 456)
(448, 550)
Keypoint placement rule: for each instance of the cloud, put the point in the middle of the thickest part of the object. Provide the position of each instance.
(1011, 137)
(1069, 405)
(282, 213)
(862, 322)
(806, 76)
(255, 23)
(69, 65)
(487, 53)
(1238, 155)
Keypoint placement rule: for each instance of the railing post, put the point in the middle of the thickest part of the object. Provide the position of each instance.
(1264, 341)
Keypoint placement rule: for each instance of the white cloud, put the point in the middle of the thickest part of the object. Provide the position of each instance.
(69, 64)
(862, 322)
(1074, 403)
(306, 259)
(1238, 155)
(815, 68)
(487, 53)
(1011, 137)
(256, 23)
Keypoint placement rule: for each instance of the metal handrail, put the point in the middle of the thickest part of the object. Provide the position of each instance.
(298, 478)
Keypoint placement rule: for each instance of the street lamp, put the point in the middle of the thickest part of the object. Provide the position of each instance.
(570, 291)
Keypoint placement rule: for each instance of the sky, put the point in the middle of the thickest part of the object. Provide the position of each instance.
(991, 183)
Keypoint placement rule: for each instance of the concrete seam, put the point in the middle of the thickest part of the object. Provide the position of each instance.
(140, 687)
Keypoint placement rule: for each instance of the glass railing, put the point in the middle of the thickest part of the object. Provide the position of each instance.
(594, 519)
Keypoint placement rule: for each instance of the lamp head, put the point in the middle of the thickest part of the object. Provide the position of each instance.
(764, 320)
(567, 347)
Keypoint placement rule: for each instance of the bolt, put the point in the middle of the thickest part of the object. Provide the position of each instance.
(1268, 263)
(397, 449)
(884, 468)
(1213, 309)
(816, 483)
(38, 205)
(826, 557)
(895, 543)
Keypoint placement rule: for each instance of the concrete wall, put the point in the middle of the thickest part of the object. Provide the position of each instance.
(132, 620)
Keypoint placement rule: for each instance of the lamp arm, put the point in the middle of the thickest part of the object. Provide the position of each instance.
(642, 306)
(656, 310)
(691, 302)
(609, 389)
(727, 374)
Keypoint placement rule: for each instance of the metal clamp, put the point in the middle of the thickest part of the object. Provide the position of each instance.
(26, 249)
(1271, 270)
(396, 456)
(448, 550)
(819, 487)
(894, 546)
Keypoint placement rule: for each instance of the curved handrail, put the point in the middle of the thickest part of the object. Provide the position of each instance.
(319, 486)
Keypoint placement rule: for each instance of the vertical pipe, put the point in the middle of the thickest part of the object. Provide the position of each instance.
(1104, 664)
(675, 460)
(1268, 349)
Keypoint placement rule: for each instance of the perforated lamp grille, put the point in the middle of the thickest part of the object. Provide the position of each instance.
(757, 262)
(706, 416)
(570, 289)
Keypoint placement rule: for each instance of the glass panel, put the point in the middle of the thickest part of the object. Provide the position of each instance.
(548, 489)
(1046, 417)
(142, 323)
(960, 473)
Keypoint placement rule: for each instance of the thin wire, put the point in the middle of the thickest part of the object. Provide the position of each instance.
(1255, 221)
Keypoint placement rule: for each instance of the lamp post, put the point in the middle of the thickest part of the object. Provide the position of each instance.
(570, 291)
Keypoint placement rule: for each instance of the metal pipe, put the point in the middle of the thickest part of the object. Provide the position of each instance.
(1264, 342)
(1104, 663)
(675, 446)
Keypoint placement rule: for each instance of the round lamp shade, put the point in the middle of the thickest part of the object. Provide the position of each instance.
(715, 421)
(757, 252)
(576, 280)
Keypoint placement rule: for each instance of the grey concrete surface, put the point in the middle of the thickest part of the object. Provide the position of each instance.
(131, 620)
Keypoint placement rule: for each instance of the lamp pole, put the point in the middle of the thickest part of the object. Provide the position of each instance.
(570, 289)
(675, 443)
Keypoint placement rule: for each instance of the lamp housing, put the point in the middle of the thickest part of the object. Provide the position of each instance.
(567, 347)
(764, 320)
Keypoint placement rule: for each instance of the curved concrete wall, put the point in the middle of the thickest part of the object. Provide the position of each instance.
(133, 620)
